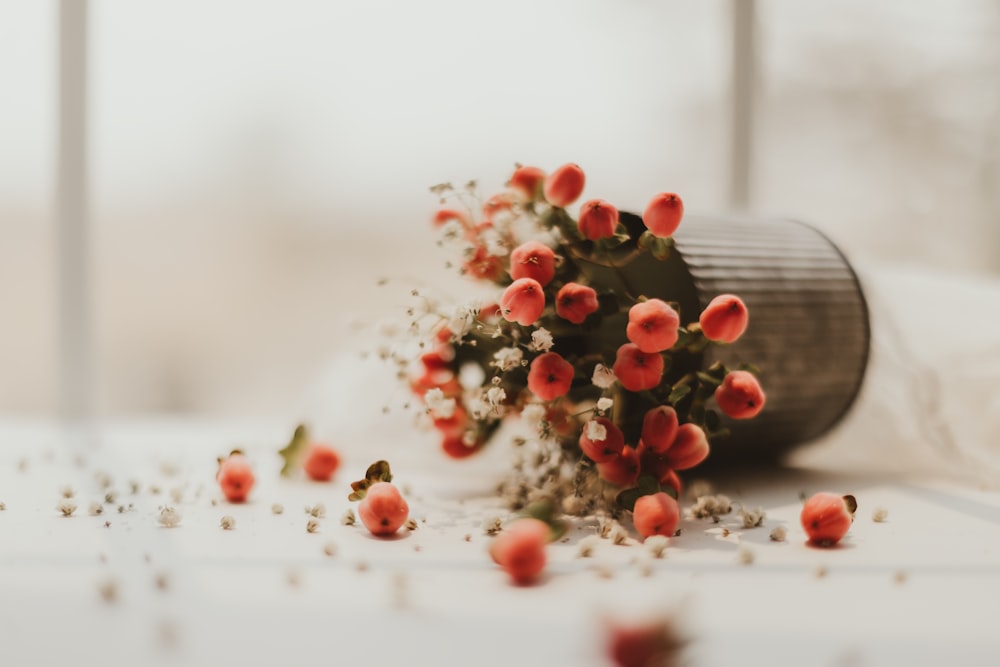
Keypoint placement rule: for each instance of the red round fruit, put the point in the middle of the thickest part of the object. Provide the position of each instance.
(383, 509)
(235, 478)
(520, 549)
(826, 518)
(656, 514)
(321, 462)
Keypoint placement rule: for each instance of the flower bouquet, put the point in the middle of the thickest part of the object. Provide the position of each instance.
(606, 377)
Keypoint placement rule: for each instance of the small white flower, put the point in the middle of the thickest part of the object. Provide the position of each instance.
(604, 404)
(495, 396)
(541, 340)
(603, 377)
(533, 414)
(169, 517)
(477, 407)
(596, 431)
(439, 405)
(494, 244)
(507, 358)
(451, 230)
(463, 319)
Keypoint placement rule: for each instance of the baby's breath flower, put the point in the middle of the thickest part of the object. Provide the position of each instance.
(227, 522)
(604, 404)
(451, 230)
(477, 406)
(494, 244)
(439, 405)
(169, 517)
(603, 377)
(533, 414)
(495, 396)
(67, 507)
(507, 358)
(541, 340)
(463, 319)
(596, 431)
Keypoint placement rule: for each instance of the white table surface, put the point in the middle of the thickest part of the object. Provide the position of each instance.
(922, 588)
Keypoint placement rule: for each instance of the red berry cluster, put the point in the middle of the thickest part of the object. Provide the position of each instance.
(560, 342)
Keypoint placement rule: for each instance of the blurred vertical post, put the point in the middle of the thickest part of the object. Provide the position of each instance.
(741, 130)
(74, 321)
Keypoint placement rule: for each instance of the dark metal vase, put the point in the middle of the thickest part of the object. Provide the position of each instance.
(809, 329)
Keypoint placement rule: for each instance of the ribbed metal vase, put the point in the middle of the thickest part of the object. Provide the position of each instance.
(808, 333)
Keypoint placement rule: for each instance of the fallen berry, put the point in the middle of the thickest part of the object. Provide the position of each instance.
(826, 518)
(656, 514)
(383, 509)
(321, 462)
(520, 549)
(235, 477)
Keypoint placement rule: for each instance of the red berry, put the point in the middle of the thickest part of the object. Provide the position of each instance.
(564, 185)
(740, 395)
(598, 219)
(575, 302)
(602, 451)
(533, 260)
(235, 478)
(550, 376)
(383, 509)
(622, 470)
(663, 214)
(520, 549)
(483, 265)
(652, 325)
(528, 183)
(645, 645)
(446, 215)
(523, 301)
(689, 448)
(455, 446)
(724, 319)
(503, 201)
(656, 514)
(826, 518)
(659, 428)
(321, 462)
(637, 370)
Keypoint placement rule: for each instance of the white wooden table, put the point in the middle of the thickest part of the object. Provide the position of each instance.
(921, 588)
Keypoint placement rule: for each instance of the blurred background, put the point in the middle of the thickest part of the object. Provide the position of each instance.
(252, 168)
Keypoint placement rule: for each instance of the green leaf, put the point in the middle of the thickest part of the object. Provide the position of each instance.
(293, 451)
(646, 240)
(661, 248)
(712, 421)
(377, 472)
(646, 486)
(708, 379)
(678, 393)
